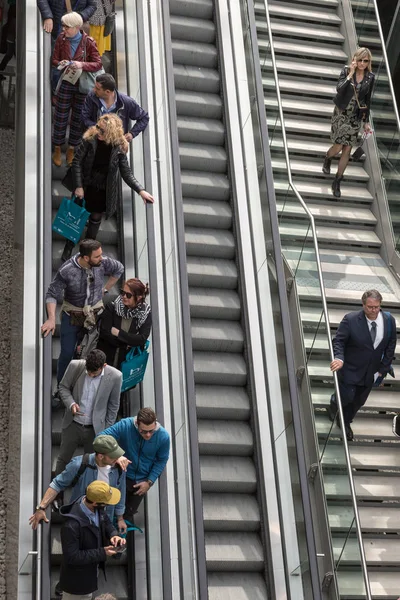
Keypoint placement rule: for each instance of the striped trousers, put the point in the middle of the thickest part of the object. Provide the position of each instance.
(69, 100)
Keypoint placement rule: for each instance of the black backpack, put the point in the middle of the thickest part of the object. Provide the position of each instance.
(84, 465)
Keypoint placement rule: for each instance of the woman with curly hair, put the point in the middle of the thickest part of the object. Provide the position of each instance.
(125, 323)
(96, 167)
(352, 104)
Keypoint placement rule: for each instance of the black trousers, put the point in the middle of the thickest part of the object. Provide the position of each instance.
(72, 437)
(132, 501)
(353, 398)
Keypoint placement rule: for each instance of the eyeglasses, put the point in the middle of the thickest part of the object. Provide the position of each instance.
(147, 431)
(127, 294)
(363, 60)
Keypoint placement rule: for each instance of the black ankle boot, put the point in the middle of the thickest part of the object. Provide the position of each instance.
(326, 167)
(69, 246)
(336, 186)
(92, 229)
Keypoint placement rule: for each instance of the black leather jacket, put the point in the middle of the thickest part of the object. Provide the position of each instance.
(82, 172)
(345, 90)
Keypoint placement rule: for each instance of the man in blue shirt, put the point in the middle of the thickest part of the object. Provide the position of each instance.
(146, 445)
(101, 466)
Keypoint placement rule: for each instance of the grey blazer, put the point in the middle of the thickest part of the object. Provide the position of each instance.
(106, 403)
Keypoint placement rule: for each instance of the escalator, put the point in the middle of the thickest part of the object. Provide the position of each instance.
(308, 38)
(235, 555)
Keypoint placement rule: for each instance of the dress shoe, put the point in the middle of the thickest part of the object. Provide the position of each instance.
(70, 156)
(57, 160)
(326, 167)
(349, 433)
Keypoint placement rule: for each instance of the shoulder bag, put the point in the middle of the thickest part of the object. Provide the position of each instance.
(110, 19)
(360, 111)
(88, 78)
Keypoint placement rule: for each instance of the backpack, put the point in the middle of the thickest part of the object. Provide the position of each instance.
(84, 465)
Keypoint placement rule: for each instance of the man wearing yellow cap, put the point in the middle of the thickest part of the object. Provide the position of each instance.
(87, 538)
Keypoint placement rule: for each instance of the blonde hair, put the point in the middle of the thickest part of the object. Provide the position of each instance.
(72, 19)
(113, 132)
(363, 53)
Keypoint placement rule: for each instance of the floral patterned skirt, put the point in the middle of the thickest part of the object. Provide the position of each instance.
(345, 126)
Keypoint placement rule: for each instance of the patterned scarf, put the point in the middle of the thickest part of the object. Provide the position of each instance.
(140, 312)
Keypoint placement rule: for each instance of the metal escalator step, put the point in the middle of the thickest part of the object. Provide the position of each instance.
(234, 552)
(212, 273)
(368, 23)
(201, 9)
(219, 368)
(219, 402)
(236, 586)
(224, 438)
(320, 369)
(196, 79)
(348, 237)
(215, 243)
(363, 428)
(303, 69)
(322, 189)
(320, 128)
(194, 53)
(200, 213)
(323, 4)
(319, 343)
(199, 157)
(196, 104)
(331, 212)
(214, 303)
(378, 552)
(227, 474)
(379, 487)
(384, 585)
(210, 186)
(308, 88)
(192, 29)
(216, 335)
(374, 42)
(227, 512)
(363, 456)
(310, 316)
(300, 31)
(285, 47)
(314, 169)
(203, 131)
(374, 519)
(378, 400)
(291, 105)
(292, 11)
(299, 145)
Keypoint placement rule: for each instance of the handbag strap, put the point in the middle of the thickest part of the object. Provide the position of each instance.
(104, 7)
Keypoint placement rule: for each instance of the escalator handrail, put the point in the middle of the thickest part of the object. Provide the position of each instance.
(324, 303)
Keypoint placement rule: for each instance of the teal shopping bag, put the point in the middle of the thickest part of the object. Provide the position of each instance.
(134, 366)
(71, 219)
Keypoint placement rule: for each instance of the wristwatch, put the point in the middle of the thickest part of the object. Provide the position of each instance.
(40, 507)
(150, 482)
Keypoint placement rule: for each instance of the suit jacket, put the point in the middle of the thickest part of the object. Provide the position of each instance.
(353, 345)
(106, 402)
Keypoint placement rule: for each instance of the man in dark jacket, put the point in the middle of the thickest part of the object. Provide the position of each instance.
(364, 348)
(53, 10)
(105, 98)
(87, 538)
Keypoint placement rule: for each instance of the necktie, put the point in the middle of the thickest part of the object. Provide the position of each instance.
(373, 332)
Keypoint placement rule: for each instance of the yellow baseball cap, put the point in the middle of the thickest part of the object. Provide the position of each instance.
(101, 492)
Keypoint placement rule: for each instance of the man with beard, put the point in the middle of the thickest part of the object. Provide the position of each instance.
(80, 284)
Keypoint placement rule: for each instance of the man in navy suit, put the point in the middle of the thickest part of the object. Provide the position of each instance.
(364, 348)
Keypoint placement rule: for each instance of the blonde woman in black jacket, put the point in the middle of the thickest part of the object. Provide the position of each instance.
(352, 105)
(96, 167)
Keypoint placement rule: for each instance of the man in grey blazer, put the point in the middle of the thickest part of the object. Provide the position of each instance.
(90, 391)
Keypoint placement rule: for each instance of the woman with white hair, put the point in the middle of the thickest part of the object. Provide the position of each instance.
(352, 104)
(77, 50)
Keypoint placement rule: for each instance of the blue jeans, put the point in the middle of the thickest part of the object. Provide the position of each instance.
(69, 337)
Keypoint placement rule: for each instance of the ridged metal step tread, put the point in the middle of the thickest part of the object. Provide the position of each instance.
(318, 369)
(293, 12)
(307, 49)
(227, 512)
(311, 316)
(224, 438)
(236, 585)
(200, 213)
(378, 552)
(331, 234)
(222, 403)
(196, 79)
(300, 167)
(202, 157)
(363, 428)
(328, 212)
(303, 69)
(319, 128)
(294, 31)
(363, 456)
(374, 519)
(197, 54)
(319, 342)
(216, 335)
(323, 189)
(212, 272)
(228, 474)
(201, 9)
(210, 186)
(198, 105)
(219, 368)
(378, 488)
(214, 303)
(384, 585)
(378, 400)
(202, 131)
(193, 29)
(234, 551)
(217, 243)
